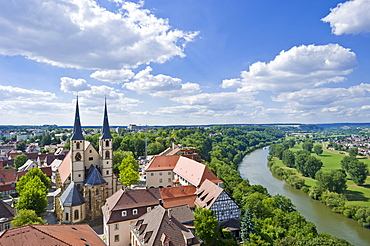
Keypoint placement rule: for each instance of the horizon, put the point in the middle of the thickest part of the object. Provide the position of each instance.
(185, 63)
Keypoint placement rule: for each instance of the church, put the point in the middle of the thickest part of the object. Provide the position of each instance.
(85, 178)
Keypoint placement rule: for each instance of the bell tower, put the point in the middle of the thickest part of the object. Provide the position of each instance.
(77, 152)
(106, 153)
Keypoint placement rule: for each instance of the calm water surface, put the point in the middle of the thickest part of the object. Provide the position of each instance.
(254, 168)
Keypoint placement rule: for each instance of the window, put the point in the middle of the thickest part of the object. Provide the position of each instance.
(78, 156)
(91, 158)
(169, 179)
(107, 143)
(77, 145)
(1, 227)
(67, 216)
(107, 155)
(90, 151)
(160, 180)
(152, 174)
(116, 238)
(107, 172)
(116, 226)
(134, 211)
(7, 226)
(76, 215)
(148, 209)
(124, 213)
(169, 173)
(160, 174)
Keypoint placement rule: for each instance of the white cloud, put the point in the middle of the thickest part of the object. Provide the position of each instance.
(73, 85)
(81, 34)
(160, 85)
(113, 76)
(351, 17)
(20, 94)
(300, 67)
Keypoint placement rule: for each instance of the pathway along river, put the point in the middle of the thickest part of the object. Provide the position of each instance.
(254, 168)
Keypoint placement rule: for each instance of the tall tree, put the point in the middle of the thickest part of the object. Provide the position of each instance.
(30, 175)
(307, 145)
(21, 146)
(19, 160)
(206, 225)
(317, 148)
(358, 171)
(291, 143)
(33, 196)
(247, 226)
(353, 152)
(288, 158)
(334, 180)
(128, 171)
(311, 166)
(345, 162)
(27, 217)
(118, 156)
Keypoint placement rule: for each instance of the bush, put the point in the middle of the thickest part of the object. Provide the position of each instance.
(333, 199)
(305, 189)
(296, 182)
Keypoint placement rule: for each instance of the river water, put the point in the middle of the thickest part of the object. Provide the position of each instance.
(254, 168)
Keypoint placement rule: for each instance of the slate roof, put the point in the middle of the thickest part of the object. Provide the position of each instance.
(158, 226)
(71, 196)
(105, 134)
(94, 177)
(77, 132)
(50, 235)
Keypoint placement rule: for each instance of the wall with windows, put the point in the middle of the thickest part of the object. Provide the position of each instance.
(160, 179)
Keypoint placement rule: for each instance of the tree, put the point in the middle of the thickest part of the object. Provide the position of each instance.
(301, 158)
(345, 162)
(19, 160)
(317, 148)
(33, 196)
(311, 166)
(291, 143)
(308, 145)
(118, 156)
(30, 175)
(247, 226)
(277, 150)
(358, 171)
(206, 225)
(27, 217)
(353, 152)
(288, 158)
(155, 148)
(128, 171)
(21, 146)
(333, 181)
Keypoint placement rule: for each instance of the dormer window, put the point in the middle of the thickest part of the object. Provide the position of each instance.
(134, 211)
(124, 213)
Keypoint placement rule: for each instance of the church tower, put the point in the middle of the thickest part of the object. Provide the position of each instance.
(106, 153)
(77, 152)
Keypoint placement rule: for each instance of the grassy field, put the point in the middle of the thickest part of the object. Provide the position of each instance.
(356, 195)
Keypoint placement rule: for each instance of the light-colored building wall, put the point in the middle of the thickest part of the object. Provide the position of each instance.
(159, 178)
(120, 229)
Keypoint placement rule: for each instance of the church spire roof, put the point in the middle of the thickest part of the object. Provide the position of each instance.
(77, 132)
(105, 134)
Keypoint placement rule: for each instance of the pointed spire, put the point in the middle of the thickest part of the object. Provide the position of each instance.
(105, 134)
(77, 132)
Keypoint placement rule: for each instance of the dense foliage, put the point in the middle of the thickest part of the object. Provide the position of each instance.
(27, 217)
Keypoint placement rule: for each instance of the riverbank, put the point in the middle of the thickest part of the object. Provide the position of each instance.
(254, 168)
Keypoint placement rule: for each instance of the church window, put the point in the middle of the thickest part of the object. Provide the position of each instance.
(107, 155)
(97, 191)
(91, 158)
(78, 156)
(107, 143)
(67, 216)
(76, 215)
(134, 211)
(79, 175)
(124, 213)
(107, 172)
(77, 145)
(90, 199)
(90, 151)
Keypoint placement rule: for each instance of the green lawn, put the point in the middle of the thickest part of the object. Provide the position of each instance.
(356, 195)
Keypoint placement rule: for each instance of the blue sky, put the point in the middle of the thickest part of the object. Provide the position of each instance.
(185, 62)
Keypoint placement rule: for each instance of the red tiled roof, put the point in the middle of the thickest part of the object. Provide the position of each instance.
(178, 195)
(7, 176)
(48, 235)
(162, 163)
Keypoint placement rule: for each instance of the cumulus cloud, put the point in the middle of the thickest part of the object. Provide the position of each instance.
(81, 34)
(113, 76)
(160, 85)
(300, 67)
(73, 85)
(16, 93)
(351, 17)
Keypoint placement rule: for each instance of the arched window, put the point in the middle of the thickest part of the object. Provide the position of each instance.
(107, 143)
(97, 191)
(77, 145)
(67, 216)
(76, 215)
(107, 155)
(90, 200)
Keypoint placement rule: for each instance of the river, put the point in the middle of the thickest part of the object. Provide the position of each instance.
(254, 168)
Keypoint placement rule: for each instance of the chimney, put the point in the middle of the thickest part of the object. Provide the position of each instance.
(160, 202)
(169, 214)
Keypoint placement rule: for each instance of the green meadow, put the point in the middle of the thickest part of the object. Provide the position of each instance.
(356, 195)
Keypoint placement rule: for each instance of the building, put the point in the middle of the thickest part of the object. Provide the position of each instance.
(160, 227)
(7, 214)
(124, 207)
(213, 197)
(50, 235)
(85, 179)
(159, 172)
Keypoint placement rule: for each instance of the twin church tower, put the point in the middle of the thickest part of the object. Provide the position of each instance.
(85, 178)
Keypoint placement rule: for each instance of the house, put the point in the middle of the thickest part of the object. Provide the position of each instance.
(213, 197)
(159, 172)
(8, 179)
(90, 171)
(7, 214)
(178, 196)
(50, 235)
(160, 227)
(27, 166)
(122, 208)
